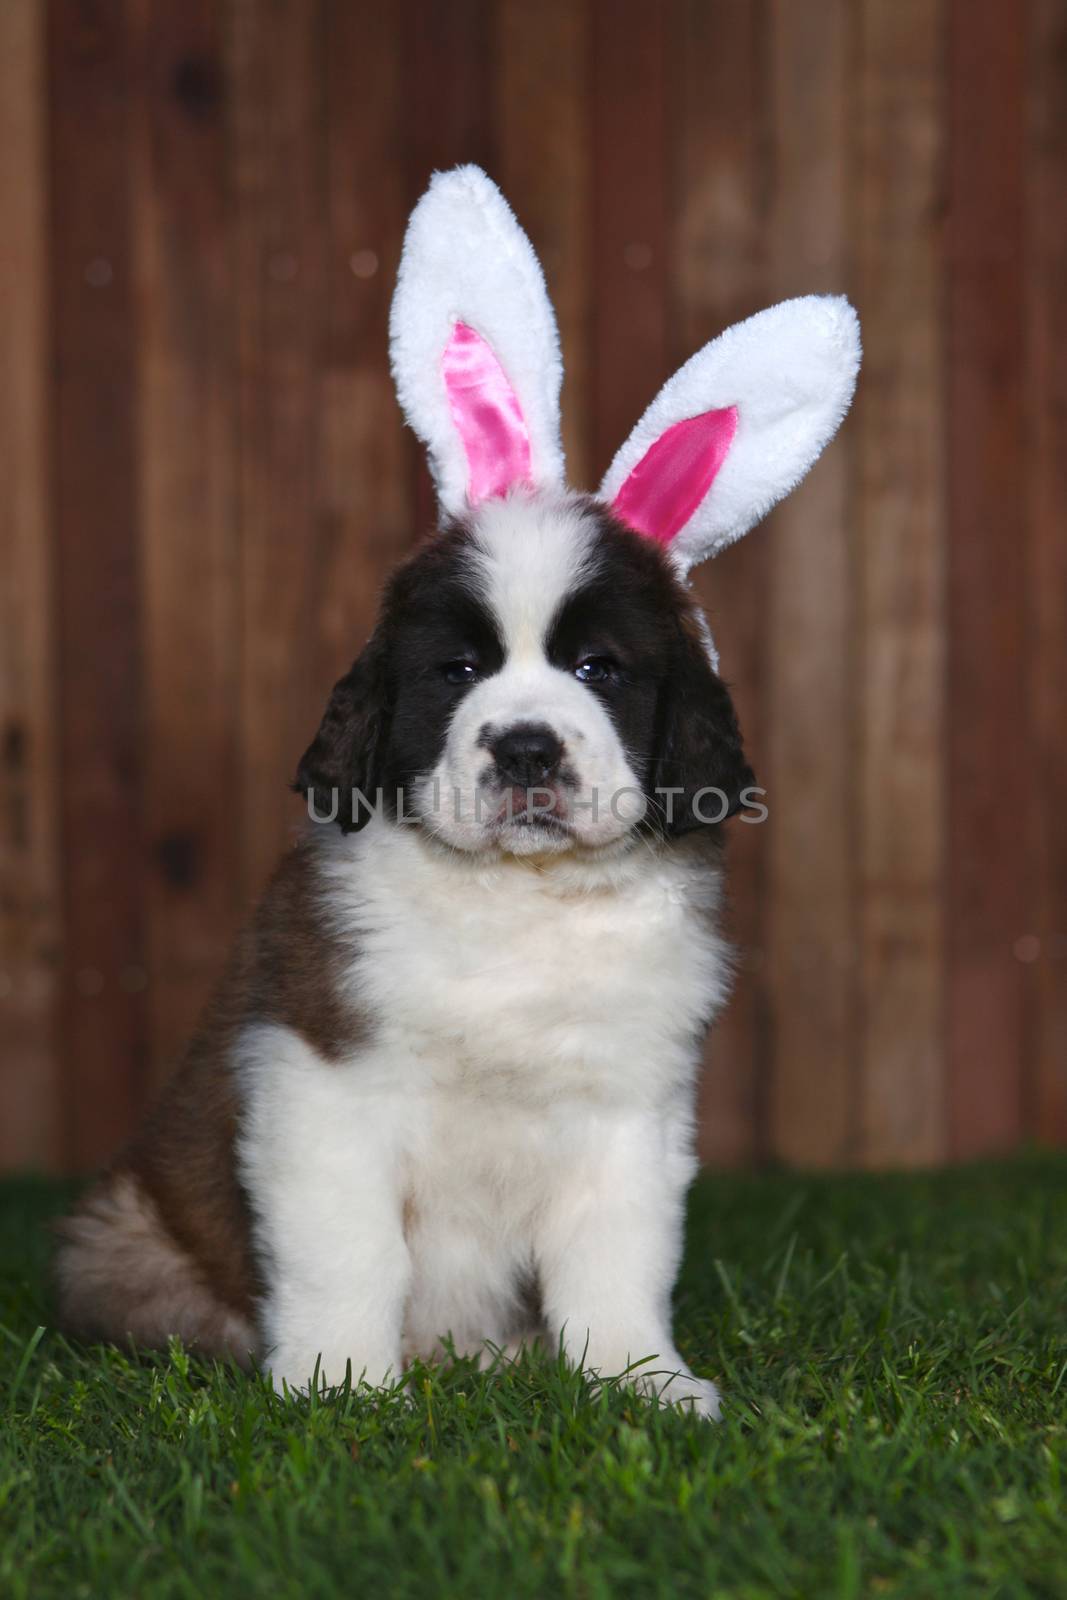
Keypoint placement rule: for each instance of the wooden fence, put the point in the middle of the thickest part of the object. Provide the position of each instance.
(205, 479)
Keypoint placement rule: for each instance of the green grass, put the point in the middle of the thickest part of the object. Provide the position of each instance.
(893, 1356)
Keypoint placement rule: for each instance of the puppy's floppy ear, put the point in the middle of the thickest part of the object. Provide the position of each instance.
(347, 753)
(700, 751)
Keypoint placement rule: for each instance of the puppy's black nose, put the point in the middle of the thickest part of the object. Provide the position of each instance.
(527, 754)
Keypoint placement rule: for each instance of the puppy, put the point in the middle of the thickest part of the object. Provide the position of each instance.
(445, 1090)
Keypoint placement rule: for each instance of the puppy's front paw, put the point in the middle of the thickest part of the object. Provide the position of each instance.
(672, 1384)
(690, 1393)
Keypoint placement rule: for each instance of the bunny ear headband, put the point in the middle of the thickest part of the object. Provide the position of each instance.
(477, 365)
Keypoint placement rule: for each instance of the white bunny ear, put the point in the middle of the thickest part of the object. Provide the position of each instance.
(737, 427)
(474, 346)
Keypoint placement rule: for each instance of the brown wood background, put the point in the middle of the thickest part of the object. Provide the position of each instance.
(205, 479)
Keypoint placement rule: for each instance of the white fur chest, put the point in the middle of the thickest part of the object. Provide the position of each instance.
(525, 1086)
(506, 982)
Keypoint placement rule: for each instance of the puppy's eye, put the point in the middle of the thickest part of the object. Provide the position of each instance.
(595, 669)
(459, 672)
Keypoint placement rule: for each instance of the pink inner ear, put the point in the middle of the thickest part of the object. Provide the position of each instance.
(673, 476)
(487, 414)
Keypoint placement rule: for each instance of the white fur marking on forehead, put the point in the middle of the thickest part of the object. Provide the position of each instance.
(532, 551)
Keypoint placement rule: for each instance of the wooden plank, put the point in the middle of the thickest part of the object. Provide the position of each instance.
(900, 527)
(448, 49)
(631, 217)
(275, 64)
(189, 555)
(30, 914)
(1046, 475)
(95, 473)
(363, 486)
(988, 741)
(812, 928)
(719, 92)
(541, 92)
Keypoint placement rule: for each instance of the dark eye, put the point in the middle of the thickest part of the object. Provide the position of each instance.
(459, 672)
(595, 669)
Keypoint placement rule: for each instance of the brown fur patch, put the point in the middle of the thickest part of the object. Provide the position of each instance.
(120, 1275)
(299, 960)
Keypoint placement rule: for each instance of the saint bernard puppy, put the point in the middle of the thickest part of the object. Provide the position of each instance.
(445, 1091)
